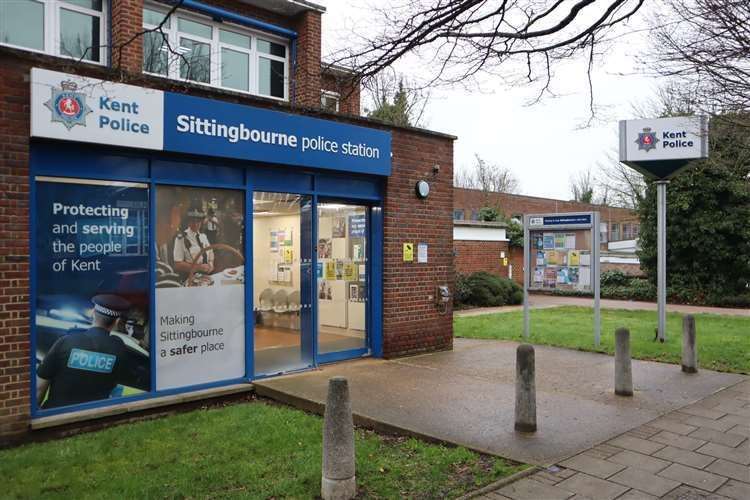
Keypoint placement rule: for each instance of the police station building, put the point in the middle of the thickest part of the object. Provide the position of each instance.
(190, 202)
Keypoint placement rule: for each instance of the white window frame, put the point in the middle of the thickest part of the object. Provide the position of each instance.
(51, 26)
(173, 35)
(331, 95)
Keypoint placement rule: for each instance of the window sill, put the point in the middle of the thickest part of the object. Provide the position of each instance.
(135, 406)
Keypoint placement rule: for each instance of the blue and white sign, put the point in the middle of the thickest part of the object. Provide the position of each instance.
(560, 220)
(69, 107)
(357, 226)
(73, 108)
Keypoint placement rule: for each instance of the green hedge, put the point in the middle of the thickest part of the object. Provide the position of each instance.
(483, 289)
(618, 285)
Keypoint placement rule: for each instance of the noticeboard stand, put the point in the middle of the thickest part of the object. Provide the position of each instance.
(563, 222)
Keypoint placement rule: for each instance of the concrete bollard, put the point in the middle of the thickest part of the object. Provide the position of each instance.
(623, 364)
(689, 350)
(525, 389)
(338, 482)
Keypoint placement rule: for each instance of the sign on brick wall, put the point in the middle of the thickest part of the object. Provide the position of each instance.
(72, 108)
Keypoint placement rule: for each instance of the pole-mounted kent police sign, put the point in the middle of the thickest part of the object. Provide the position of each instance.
(660, 147)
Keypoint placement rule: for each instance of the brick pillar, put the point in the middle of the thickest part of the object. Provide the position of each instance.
(307, 76)
(127, 46)
(14, 249)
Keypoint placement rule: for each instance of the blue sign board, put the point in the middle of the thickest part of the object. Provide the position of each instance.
(215, 128)
(565, 220)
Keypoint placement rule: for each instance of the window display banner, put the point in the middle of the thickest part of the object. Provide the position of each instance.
(200, 291)
(74, 108)
(92, 301)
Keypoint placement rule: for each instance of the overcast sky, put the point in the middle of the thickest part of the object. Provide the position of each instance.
(544, 144)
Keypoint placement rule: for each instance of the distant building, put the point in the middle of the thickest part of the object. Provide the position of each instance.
(479, 246)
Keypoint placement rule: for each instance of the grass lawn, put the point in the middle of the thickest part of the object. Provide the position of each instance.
(252, 450)
(723, 341)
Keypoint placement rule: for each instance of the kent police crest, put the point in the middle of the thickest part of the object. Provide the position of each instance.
(647, 140)
(68, 106)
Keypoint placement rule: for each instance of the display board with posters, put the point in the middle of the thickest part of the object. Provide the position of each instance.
(199, 279)
(560, 260)
(561, 252)
(91, 324)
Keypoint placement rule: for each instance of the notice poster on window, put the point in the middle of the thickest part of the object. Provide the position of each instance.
(92, 300)
(200, 292)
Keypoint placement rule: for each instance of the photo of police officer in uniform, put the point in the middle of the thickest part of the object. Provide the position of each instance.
(88, 365)
(199, 237)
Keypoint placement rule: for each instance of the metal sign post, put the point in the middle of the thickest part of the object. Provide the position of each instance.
(562, 225)
(661, 258)
(659, 149)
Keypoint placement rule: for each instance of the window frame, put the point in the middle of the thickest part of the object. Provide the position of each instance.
(174, 35)
(331, 95)
(52, 31)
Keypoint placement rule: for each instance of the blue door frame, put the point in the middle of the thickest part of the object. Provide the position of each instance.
(154, 169)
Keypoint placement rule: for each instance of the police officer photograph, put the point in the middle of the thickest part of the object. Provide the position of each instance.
(90, 365)
(191, 243)
(199, 237)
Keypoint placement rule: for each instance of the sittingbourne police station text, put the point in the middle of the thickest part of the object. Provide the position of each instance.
(234, 133)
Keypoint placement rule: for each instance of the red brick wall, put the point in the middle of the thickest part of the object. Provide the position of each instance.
(347, 89)
(516, 260)
(308, 60)
(14, 250)
(474, 256)
(127, 45)
(512, 204)
(411, 321)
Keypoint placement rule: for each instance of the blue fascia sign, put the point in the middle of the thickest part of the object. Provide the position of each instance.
(567, 220)
(73, 108)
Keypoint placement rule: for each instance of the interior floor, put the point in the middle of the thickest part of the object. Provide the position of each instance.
(279, 349)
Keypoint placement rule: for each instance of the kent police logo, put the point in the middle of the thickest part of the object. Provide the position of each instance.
(68, 106)
(647, 140)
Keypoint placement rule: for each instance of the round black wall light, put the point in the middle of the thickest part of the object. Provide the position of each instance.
(422, 188)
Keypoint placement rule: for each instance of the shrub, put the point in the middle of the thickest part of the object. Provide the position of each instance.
(483, 289)
(614, 277)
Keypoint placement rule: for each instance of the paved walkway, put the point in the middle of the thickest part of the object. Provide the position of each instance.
(700, 451)
(466, 396)
(546, 301)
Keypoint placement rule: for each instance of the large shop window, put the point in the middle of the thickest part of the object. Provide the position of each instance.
(194, 48)
(92, 291)
(200, 291)
(68, 28)
(93, 338)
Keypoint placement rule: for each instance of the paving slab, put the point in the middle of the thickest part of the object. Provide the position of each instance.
(678, 441)
(736, 490)
(639, 461)
(466, 396)
(592, 466)
(528, 489)
(637, 495)
(730, 469)
(592, 487)
(684, 457)
(740, 454)
(725, 438)
(693, 477)
(645, 481)
(689, 493)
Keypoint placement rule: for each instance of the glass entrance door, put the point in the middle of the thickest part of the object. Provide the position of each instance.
(342, 278)
(282, 282)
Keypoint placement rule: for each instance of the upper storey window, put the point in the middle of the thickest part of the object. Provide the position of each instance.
(66, 28)
(189, 47)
